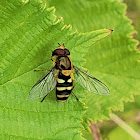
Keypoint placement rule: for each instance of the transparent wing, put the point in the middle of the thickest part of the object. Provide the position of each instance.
(44, 86)
(91, 83)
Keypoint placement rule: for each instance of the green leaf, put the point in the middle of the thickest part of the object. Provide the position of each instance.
(114, 60)
(29, 32)
(133, 12)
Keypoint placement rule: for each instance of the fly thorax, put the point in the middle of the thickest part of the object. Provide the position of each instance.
(64, 63)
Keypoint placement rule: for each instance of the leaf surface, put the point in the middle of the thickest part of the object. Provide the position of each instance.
(29, 32)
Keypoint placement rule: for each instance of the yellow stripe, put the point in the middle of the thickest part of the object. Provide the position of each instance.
(61, 96)
(70, 80)
(64, 88)
(69, 88)
(61, 100)
(60, 81)
(61, 88)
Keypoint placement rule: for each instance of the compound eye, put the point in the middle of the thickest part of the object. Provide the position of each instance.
(67, 52)
(58, 52)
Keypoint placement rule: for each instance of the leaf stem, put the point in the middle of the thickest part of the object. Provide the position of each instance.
(125, 126)
(95, 131)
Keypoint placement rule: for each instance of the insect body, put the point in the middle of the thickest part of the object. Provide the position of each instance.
(64, 86)
(63, 70)
(61, 77)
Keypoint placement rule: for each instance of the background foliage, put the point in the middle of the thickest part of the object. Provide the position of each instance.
(131, 112)
(30, 30)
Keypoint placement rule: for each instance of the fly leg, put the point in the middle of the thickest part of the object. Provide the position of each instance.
(43, 70)
(75, 96)
(40, 70)
(44, 98)
(73, 93)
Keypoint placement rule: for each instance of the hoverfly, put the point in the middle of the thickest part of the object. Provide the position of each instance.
(61, 77)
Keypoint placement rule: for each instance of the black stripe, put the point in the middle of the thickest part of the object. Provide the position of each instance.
(62, 76)
(64, 92)
(64, 98)
(65, 84)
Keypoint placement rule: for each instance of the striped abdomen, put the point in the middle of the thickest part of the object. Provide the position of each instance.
(64, 87)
